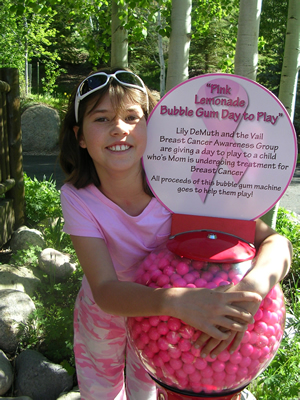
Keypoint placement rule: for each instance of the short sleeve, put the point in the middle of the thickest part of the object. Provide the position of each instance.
(78, 220)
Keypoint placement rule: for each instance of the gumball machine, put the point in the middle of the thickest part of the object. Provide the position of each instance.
(167, 346)
(213, 160)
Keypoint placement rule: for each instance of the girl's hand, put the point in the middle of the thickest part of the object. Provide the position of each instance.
(213, 347)
(213, 311)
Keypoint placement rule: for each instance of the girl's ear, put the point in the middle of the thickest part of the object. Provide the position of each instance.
(81, 140)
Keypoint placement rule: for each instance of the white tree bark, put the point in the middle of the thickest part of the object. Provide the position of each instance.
(119, 40)
(246, 55)
(179, 43)
(291, 59)
(162, 65)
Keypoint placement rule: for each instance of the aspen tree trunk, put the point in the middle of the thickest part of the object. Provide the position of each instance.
(179, 43)
(246, 59)
(289, 77)
(246, 55)
(162, 65)
(119, 40)
(291, 59)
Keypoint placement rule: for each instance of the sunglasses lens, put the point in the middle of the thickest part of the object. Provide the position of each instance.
(129, 78)
(92, 83)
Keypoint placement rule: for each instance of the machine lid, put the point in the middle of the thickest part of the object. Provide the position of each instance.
(211, 246)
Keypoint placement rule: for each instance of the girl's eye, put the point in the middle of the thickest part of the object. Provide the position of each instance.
(102, 119)
(132, 118)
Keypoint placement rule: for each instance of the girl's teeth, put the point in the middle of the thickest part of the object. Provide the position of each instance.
(119, 147)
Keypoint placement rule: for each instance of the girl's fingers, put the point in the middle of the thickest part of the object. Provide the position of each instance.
(214, 347)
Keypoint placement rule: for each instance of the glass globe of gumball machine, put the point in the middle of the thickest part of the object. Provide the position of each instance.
(216, 163)
(167, 346)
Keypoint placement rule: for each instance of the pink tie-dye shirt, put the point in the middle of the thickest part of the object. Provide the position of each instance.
(87, 212)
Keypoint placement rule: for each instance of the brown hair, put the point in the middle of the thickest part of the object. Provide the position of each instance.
(75, 160)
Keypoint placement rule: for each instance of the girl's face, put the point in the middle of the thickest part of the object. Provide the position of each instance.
(115, 139)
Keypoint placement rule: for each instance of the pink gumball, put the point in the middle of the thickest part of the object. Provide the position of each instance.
(162, 328)
(162, 343)
(153, 346)
(157, 361)
(154, 321)
(198, 264)
(173, 337)
(246, 361)
(200, 364)
(230, 368)
(187, 331)
(195, 376)
(174, 352)
(236, 357)
(145, 325)
(188, 368)
(200, 283)
(144, 337)
(224, 356)
(207, 372)
(164, 355)
(164, 262)
(174, 277)
(175, 363)
(147, 352)
(168, 270)
(187, 358)
(211, 285)
(189, 278)
(242, 372)
(218, 366)
(206, 275)
(246, 349)
(246, 337)
(174, 324)
(260, 327)
(262, 341)
(219, 376)
(162, 280)
(253, 337)
(182, 268)
(153, 333)
(258, 315)
(179, 282)
(184, 344)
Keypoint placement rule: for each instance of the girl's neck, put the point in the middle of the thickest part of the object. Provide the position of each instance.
(127, 193)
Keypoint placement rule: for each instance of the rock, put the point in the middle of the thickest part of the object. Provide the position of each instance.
(23, 238)
(73, 395)
(40, 128)
(16, 306)
(56, 264)
(19, 278)
(6, 373)
(39, 378)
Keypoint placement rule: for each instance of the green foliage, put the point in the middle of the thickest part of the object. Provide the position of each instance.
(289, 226)
(281, 379)
(42, 200)
(27, 256)
(50, 328)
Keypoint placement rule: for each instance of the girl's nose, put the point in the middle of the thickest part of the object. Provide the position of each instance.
(119, 127)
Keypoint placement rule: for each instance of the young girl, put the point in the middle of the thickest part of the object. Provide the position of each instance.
(114, 222)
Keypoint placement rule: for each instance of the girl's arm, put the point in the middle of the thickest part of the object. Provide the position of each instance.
(193, 306)
(273, 260)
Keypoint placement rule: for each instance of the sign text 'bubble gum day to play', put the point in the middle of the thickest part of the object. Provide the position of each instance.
(220, 145)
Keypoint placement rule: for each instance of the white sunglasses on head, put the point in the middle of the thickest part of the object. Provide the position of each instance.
(100, 79)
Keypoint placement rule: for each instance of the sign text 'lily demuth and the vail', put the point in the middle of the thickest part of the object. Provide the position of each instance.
(220, 145)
